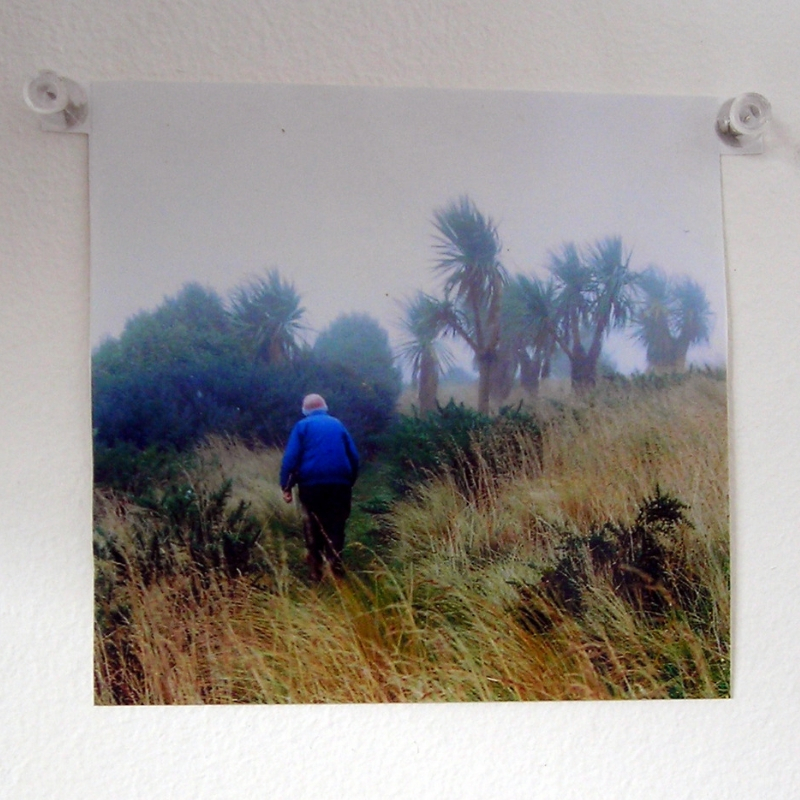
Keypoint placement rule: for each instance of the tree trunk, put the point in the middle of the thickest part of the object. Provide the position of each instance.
(502, 377)
(529, 373)
(485, 363)
(428, 383)
(583, 371)
(682, 345)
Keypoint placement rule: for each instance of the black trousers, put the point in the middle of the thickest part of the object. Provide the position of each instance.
(327, 508)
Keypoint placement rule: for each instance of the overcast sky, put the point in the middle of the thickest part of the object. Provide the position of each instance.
(336, 187)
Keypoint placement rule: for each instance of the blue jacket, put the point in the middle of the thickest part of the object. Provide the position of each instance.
(320, 450)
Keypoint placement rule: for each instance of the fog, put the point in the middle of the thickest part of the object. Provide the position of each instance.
(336, 187)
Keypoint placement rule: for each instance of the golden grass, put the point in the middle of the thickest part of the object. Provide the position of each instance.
(448, 616)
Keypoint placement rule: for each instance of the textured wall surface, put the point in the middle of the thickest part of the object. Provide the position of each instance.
(53, 742)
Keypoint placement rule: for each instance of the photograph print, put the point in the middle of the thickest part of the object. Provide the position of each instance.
(405, 395)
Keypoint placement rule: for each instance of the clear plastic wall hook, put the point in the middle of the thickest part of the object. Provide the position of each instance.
(62, 104)
(742, 120)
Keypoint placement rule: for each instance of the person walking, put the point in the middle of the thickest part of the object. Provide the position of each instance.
(322, 461)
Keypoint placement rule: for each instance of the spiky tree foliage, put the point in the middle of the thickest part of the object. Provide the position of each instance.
(468, 247)
(672, 315)
(267, 314)
(594, 295)
(653, 318)
(528, 329)
(693, 318)
(424, 323)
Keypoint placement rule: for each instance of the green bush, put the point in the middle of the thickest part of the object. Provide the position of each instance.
(143, 418)
(127, 468)
(645, 563)
(182, 529)
(187, 370)
(458, 440)
(359, 345)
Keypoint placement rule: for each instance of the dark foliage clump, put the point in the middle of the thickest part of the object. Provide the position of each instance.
(125, 467)
(143, 417)
(358, 344)
(644, 564)
(192, 368)
(214, 536)
(183, 530)
(456, 439)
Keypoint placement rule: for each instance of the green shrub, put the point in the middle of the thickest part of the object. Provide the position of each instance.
(458, 440)
(127, 468)
(182, 529)
(645, 563)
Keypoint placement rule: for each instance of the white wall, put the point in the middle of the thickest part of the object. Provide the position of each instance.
(54, 742)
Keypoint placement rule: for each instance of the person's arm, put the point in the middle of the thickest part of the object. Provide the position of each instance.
(352, 455)
(291, 461)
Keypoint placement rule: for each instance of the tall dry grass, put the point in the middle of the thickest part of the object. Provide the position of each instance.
(456, 609)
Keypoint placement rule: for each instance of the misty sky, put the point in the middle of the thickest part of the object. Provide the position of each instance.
(336, 187)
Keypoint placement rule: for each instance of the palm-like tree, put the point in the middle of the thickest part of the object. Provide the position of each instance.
(424, 323)
(267, 314)
(693, 317)
(469, 249)
(672, 316)
(654, 319)
(529, 328)
(594, 294)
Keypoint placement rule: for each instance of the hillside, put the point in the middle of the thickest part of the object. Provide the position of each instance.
(577, 550)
